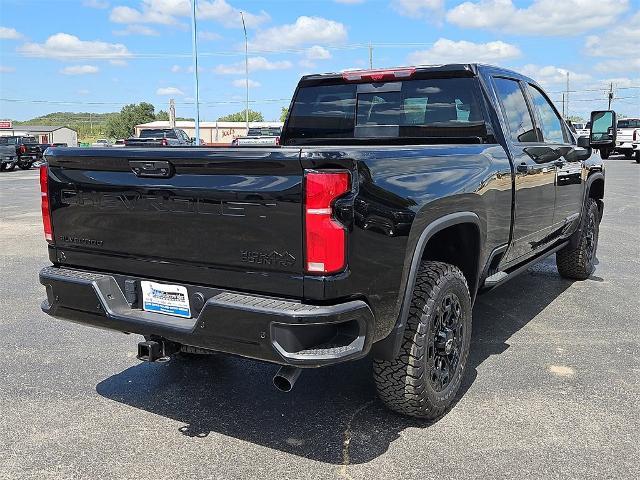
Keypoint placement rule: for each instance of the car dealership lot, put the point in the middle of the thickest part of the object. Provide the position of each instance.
(552, 389)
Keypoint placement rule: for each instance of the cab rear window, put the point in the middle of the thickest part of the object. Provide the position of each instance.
(424, 108)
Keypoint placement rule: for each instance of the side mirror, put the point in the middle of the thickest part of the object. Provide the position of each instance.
(603, 129)
(583, 142)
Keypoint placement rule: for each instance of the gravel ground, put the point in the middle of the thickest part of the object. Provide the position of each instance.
(552, 390)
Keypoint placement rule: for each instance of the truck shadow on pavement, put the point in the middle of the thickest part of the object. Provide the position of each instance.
(332, 415)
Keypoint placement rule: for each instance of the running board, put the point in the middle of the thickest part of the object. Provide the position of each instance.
(499, 278)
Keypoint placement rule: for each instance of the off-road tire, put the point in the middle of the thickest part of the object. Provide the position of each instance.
(577, 263)
(406, 384)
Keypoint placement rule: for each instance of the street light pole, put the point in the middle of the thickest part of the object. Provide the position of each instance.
(194, 41)
(246, 70)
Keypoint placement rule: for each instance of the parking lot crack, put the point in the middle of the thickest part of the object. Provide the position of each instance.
(346, 442)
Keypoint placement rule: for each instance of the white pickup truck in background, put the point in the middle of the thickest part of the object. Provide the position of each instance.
(582, 129)
(259, 136)
(628, 138)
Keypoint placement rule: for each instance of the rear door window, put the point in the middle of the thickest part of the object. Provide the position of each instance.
(515, 110)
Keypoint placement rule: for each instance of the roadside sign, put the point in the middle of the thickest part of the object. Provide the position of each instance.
(6, 124)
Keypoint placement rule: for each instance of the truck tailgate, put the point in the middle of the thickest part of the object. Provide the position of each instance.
(238, 210)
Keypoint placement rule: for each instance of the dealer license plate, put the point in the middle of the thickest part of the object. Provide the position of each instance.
(167, 299)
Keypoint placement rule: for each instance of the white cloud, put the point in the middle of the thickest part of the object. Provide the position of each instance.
(99, 4)
(552, 75)
(542, 17)
(167, 12)
(5, 69)
(176, 69)
(304, 31)
(64, 46)
(620, 41)
(255, 64)
(448, 51)
(136, 30)
(169, 91)
(204, 35)
(79, 70)
(619, 65)
(418, 8)
(7, 33)
(317, 53)
(242, 83)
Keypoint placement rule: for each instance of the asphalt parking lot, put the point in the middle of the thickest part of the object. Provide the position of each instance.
(552, 389)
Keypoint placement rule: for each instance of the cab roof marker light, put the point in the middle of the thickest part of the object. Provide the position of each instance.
(378, 75)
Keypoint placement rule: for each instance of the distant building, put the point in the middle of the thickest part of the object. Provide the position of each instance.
(44, 133)
(211, 133)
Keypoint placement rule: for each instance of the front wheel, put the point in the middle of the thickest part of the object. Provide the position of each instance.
(24, 166)
(577, 263)
(422, 381)
(7, 167)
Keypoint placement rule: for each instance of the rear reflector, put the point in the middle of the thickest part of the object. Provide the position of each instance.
(44, 203)
(378, 75)
(325, 236)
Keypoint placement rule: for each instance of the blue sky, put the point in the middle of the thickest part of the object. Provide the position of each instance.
(97, 55)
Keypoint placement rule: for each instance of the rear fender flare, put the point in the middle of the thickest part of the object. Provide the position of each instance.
(388, 347)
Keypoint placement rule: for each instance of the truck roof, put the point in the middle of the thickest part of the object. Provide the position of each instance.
(457, 69)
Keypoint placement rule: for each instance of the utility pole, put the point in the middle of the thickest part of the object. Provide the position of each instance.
(370, 56)
(610, 95)
(194, 41)
(246, 70)
(172, 113)
(567, 95)
(564, 111)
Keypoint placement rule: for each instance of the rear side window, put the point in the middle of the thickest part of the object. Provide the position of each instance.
(550, 122)
(405, 109)
(515, 110)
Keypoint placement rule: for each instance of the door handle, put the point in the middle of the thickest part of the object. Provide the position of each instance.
(523, 168)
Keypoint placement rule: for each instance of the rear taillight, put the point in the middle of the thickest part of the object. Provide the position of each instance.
(22, 149)
(277, 140)
(325, 236)
(44, 202)
(635, 135)
(378, 75)
(164, 142)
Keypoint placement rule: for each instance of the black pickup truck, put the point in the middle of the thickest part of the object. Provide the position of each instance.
(27, 148)
(395, 198)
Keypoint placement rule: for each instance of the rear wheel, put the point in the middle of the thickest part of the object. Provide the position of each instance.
(422, 381)
(628, 154)
(637, 156)
(577, 263)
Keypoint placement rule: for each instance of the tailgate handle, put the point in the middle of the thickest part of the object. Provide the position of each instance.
(151, 168)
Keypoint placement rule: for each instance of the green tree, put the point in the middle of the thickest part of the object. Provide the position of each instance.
(576, 119)
(240, 117)
(122, 125)
(162, 115)
(283, 113)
